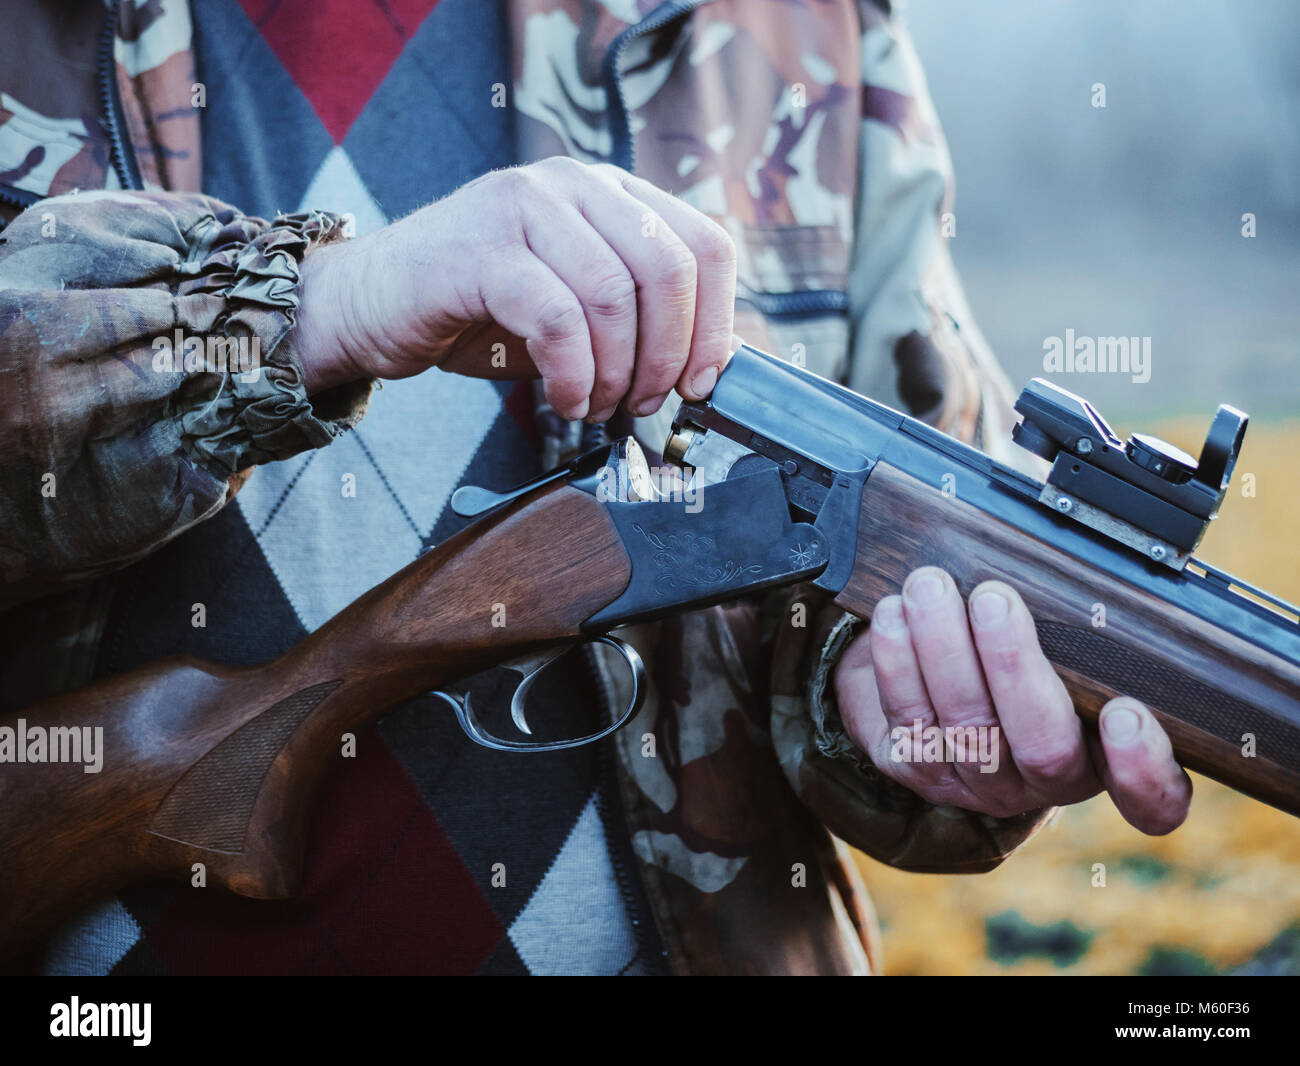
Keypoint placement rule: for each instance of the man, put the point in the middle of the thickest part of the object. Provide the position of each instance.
(808, 180)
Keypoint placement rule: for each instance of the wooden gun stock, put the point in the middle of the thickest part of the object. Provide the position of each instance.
(1210, 690)
(219, 765)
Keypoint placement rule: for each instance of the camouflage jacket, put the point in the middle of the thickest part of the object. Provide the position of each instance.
(804, 128)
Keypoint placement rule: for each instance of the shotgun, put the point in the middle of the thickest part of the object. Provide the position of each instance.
(787, 478)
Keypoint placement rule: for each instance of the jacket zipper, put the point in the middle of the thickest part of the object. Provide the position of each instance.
(623, 153)
(794, 304)
(19, 198)
(121, 155)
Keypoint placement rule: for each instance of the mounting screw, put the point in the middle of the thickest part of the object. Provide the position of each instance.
(1084, 447)
(790, 467)
(1158, 552)
(1064, 504)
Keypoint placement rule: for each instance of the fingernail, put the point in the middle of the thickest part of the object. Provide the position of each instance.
(1120, 724)
(989, 608)
(579, 412)
(703, 382)
(888, 616)
(602, 416)
(924, 588)
(650, 406)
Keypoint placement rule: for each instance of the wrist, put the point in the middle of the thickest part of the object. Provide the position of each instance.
(321, 333)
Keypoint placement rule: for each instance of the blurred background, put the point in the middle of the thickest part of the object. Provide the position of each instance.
(1127, 221)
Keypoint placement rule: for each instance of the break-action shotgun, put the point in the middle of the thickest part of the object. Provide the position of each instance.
(793, 479)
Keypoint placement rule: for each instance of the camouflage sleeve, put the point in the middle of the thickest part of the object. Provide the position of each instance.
(841, 785)
(146, 363)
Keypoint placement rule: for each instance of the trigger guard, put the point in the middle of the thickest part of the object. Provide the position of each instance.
(473, 728)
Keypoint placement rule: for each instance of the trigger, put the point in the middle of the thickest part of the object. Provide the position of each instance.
(530, 668)
(517, 716)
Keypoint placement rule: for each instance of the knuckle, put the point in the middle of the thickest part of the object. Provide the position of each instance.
(612, 295)
(1006, 662)
(564, 176)
(536, 191)
(512, 201)
(710, 340)
(998, 807)
(674, 267)
(518, 182)
(563, 392)
(966, 709)
(986, 802)
(611, 384)
(940, 787)
(660, 365)
(997, 796)
(1049, 759)
(891, 658)
(609, 172)
(559, 318)
(716, 247)
(560, 164)
(908, 707)
(881, 754)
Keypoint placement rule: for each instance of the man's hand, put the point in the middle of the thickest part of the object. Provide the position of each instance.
(930, 657)
(608, 287)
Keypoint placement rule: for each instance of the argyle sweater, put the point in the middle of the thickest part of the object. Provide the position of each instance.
(428, 854)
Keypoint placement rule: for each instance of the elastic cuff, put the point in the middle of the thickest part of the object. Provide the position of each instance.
(831, 738)
(237, 416)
